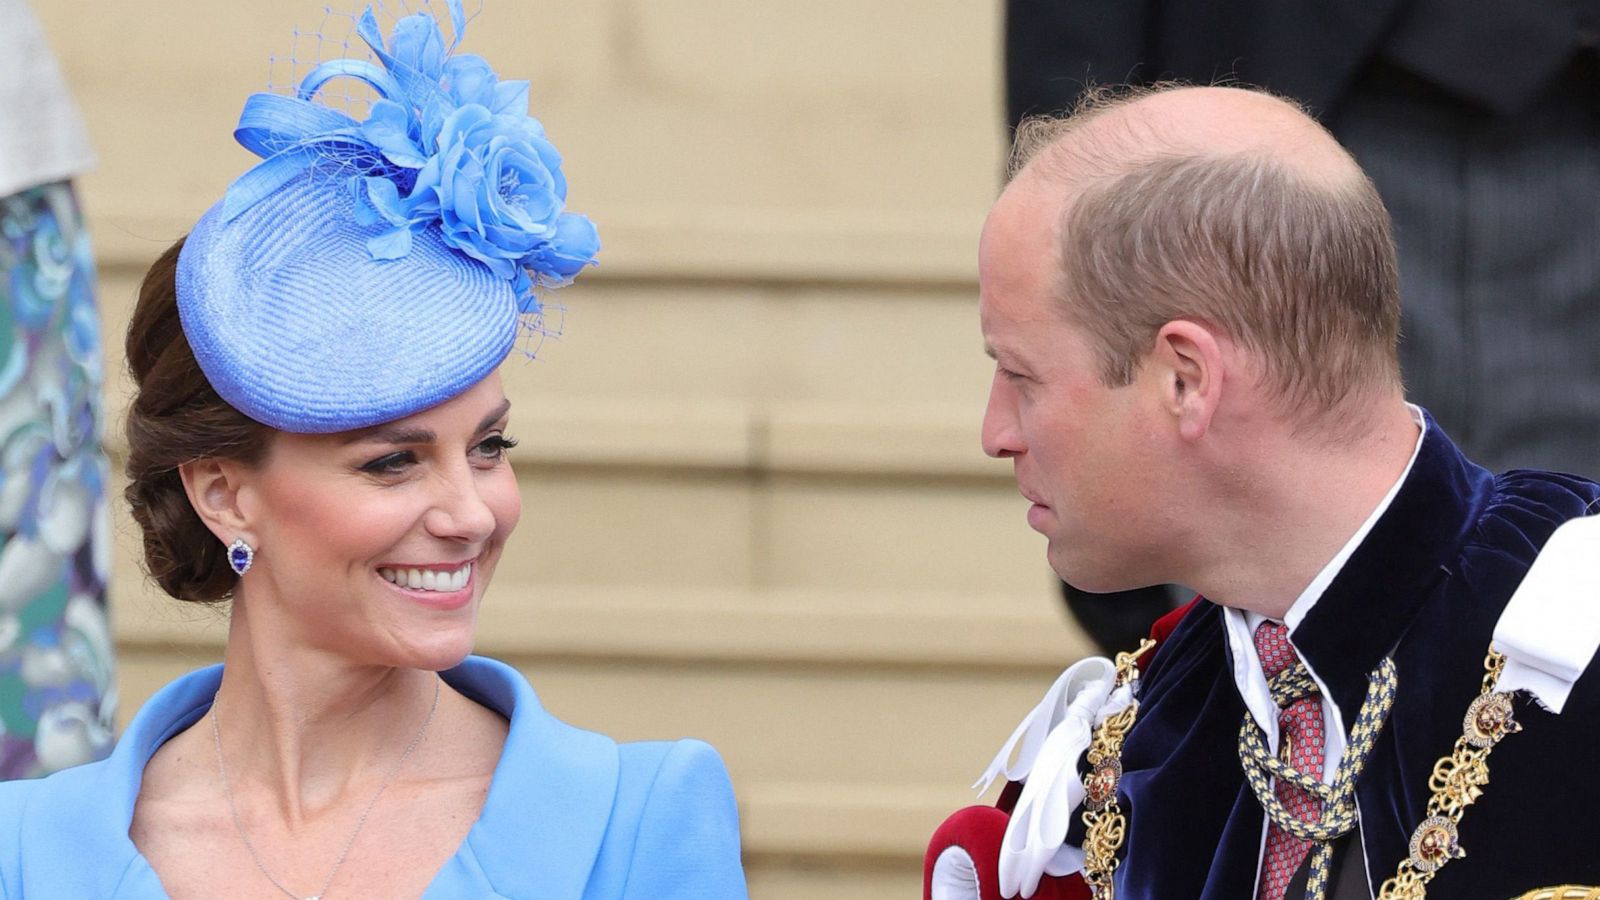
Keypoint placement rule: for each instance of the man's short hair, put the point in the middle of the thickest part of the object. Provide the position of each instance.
(1302, 272)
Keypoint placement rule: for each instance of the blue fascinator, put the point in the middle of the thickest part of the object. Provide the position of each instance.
(366, 270)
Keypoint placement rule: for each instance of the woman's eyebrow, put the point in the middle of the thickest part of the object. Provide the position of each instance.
(498, 414)
(391, 435)
(399, 434)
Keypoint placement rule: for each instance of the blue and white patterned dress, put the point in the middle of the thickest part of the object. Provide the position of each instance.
(57, 684)
(57, 672)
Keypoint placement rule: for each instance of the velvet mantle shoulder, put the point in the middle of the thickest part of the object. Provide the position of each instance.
(1426, 588)
(570, 813)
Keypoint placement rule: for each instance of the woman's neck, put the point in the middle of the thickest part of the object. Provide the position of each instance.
(307, 726)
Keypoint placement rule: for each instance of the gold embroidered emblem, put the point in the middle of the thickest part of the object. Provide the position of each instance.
(1434, 843)
(1100, 788)
(1489, 719)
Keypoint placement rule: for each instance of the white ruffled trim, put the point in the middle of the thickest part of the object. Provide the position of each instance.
(1052, 737)
(1551, 628)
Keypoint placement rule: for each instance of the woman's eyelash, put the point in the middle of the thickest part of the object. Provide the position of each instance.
(493, 446)
(389, 464)
(496, 445)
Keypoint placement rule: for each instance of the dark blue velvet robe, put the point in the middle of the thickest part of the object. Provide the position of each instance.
(1427, 586)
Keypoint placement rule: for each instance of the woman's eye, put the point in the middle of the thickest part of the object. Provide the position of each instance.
(392, 464)
(495, 446)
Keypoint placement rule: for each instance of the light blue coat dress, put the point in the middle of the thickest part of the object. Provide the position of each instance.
(570, 815)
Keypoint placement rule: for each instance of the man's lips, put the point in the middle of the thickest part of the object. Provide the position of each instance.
(1038, 513)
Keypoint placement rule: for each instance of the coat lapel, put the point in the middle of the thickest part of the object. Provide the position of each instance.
(551, 798)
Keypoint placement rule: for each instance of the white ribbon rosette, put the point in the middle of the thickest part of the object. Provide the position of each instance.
(1052, 738)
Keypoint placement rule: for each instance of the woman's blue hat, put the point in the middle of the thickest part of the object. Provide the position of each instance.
(365, 271)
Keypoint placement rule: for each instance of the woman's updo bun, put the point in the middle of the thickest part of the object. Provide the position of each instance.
(177, 417)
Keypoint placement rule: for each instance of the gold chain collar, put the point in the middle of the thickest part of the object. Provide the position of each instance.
(1457, 782)
(1102, 813)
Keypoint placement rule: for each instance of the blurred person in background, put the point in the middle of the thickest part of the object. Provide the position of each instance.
(1479, 121)
(57, 667)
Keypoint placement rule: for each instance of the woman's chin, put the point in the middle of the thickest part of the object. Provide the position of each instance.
(427, 646)
(441, 651)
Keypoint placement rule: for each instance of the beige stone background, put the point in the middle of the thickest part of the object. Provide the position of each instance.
(756, 510)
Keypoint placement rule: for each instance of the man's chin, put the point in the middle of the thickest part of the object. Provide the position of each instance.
(1093, 579)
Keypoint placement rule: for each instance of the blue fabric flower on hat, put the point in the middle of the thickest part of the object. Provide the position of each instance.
(447, 144)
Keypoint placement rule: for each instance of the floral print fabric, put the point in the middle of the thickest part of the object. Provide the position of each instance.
(57, 669)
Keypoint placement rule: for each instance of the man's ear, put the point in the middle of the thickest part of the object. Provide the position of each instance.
(1189, 361)
(213, 486)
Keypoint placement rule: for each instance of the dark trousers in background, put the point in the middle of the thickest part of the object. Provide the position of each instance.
(1497, 219)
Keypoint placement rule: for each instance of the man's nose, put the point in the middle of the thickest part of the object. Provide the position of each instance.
(1001, 436)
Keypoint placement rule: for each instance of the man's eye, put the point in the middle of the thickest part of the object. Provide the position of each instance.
(392, 464)
(1009, 375)
(495, 446)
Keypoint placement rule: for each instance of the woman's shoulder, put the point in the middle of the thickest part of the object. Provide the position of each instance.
(656, 818)
(14, 801)
(24, 802)
(37, 805)
(504, 689)
(667, 772)
(674, 827)
(637, 768)
(60, 816)
(69, 831)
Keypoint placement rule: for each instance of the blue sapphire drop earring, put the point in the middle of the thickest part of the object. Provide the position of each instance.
(240, 556)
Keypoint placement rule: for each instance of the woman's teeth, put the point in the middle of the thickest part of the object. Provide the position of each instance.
(428, 579)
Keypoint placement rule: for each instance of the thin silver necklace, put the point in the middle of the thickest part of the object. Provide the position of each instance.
(227, 791)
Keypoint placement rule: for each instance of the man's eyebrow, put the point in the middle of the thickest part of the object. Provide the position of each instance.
(989, 351)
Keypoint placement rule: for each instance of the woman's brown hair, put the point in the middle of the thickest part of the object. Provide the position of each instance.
(177, 417)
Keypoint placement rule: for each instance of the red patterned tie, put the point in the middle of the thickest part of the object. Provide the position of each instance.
(1300, 725)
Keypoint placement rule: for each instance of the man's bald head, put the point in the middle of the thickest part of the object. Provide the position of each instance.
(1226, 205)
(1114, 131)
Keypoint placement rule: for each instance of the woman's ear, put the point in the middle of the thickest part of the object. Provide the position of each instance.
(1190, 364)
(213, 486)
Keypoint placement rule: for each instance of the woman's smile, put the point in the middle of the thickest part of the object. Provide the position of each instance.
(440, 585)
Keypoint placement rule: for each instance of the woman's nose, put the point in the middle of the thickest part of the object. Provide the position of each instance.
(459, 511)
